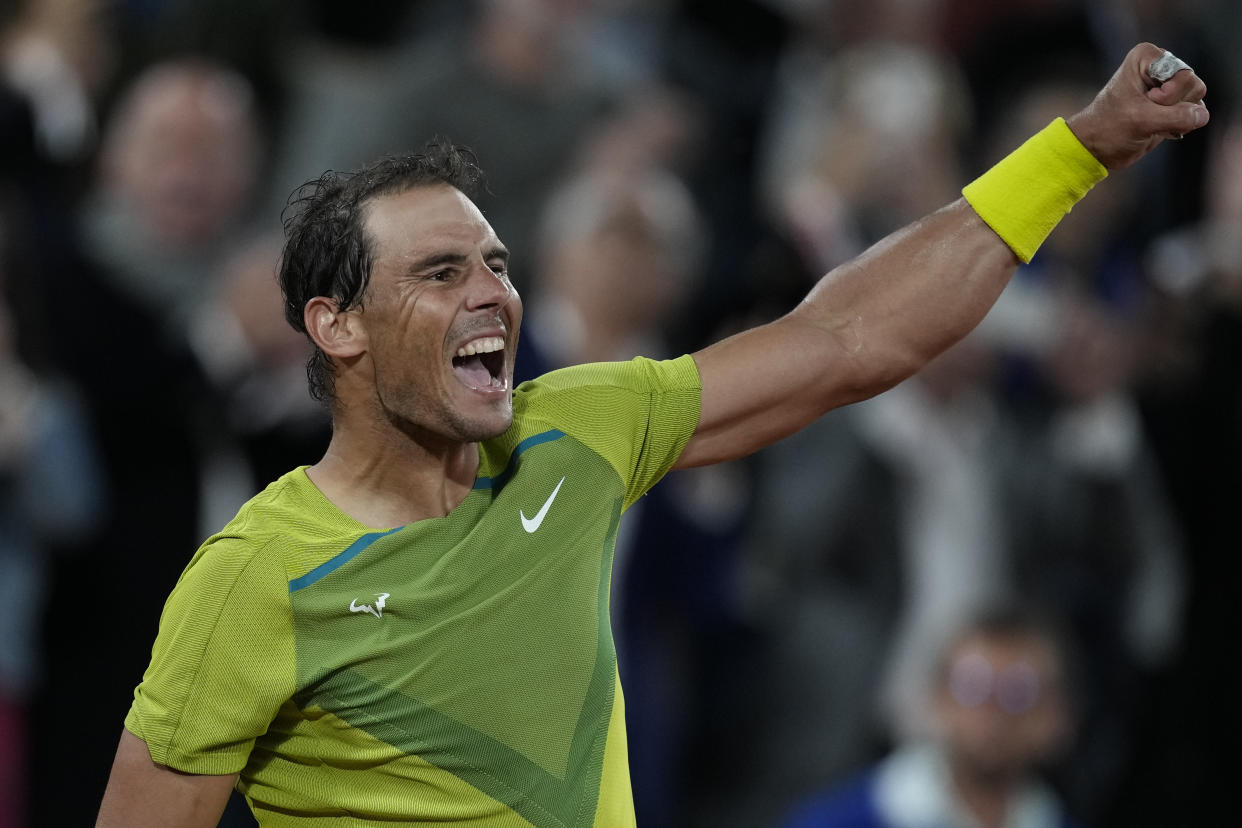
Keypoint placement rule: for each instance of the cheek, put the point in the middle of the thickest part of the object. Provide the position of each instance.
(400, 355)
(515, 308)
(413, 334)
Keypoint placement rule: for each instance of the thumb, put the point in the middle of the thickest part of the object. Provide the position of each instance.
(1176, 119)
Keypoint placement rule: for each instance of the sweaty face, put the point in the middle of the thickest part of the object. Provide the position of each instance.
(441, 317)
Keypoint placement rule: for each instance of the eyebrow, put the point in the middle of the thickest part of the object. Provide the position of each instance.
(453, 258)
(498, 252)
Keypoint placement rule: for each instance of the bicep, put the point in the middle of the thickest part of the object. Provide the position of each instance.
(764, 384)
(141, 793)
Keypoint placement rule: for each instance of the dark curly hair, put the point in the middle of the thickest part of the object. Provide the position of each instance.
(327, 251)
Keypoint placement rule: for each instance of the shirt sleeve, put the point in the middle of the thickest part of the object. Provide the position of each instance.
(222, 663)
(639, 415)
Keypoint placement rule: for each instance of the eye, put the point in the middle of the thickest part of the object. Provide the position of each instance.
(440, 276)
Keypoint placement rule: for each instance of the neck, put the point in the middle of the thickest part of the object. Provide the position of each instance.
(385, 480)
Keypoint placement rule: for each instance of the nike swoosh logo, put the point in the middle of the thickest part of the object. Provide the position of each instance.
(531, 524)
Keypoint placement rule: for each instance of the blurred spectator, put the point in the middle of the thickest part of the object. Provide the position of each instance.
(605, 226)
(51, 496)
(56, 54)
(175, 176)
(999, 708)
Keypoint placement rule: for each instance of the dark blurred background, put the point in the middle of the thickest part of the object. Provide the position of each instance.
(665, 172)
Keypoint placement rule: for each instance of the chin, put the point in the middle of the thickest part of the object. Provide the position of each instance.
(488, 427)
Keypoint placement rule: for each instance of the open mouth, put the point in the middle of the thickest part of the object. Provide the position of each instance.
(480, 364)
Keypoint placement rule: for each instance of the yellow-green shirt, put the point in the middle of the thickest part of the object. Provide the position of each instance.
(458, 670)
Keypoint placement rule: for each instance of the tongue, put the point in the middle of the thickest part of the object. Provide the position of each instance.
(472, 372)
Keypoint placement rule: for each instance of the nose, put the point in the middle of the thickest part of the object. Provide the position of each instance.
(488, 288)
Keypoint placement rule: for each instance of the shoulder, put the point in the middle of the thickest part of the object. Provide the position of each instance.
(636, 415)
(260, 538)
(610, 387)
(611, 400)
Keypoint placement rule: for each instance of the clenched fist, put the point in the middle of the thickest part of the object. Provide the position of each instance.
(1134, 112)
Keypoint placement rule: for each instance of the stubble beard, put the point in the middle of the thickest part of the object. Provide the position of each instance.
(446, 427)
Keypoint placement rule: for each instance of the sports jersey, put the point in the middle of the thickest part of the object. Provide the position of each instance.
(455, 670)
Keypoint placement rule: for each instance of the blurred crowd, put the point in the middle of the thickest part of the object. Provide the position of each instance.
(665, 172)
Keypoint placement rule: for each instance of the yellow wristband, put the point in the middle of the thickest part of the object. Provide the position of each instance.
(1024, 196)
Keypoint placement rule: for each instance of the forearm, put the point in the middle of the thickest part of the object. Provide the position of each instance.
(917, 293)
(911, 296)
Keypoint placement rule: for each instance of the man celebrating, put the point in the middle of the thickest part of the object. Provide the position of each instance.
(415, 629)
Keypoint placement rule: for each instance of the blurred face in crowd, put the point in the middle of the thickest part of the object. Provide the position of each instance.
(440, 316)
(618, 273)
(182, 153)
(1001, 704)
(621, 249)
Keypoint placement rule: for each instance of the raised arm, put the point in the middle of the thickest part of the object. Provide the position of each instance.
(877, 319)
(141, 793)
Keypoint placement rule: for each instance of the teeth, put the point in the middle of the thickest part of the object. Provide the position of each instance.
(486, 345)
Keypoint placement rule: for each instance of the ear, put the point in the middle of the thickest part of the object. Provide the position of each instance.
(338, 333)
